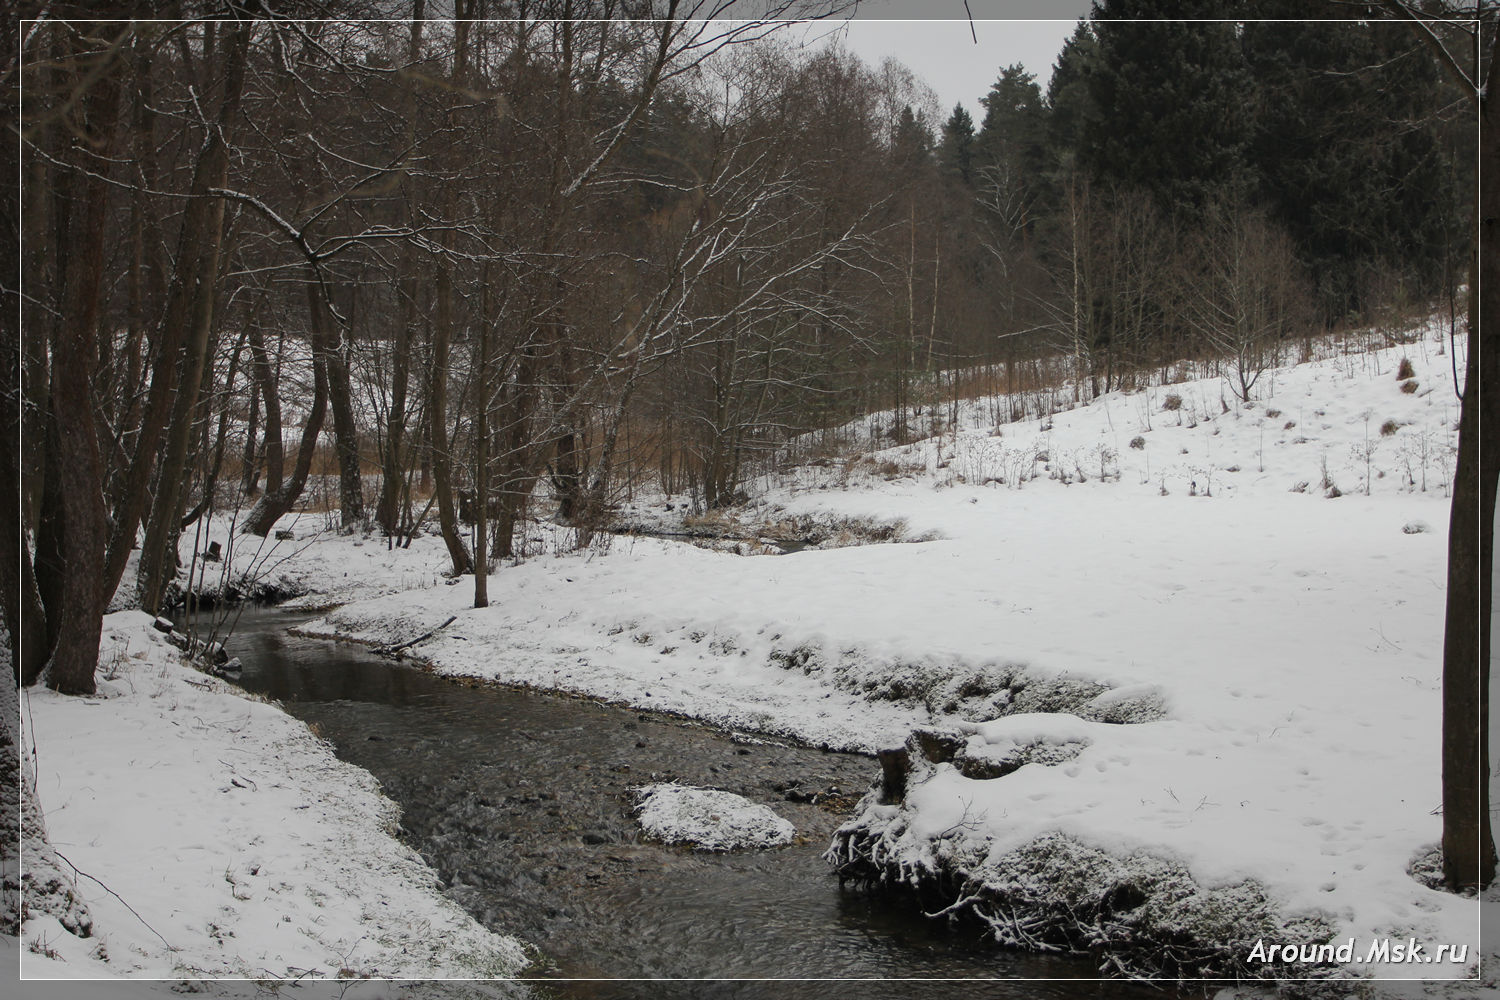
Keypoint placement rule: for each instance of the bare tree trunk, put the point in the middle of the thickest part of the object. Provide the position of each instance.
(250, 460)
(391, 466)
(73, 482)
(276, 503)
(24, 617)
(1468, 841)
(437, 417)
(482, 462)
(391, 477)
(215, 461)
(345, 436)
(515, 483)
(198, 287)
(273, 452)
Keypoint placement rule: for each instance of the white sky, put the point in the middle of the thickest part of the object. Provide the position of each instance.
(933, 39)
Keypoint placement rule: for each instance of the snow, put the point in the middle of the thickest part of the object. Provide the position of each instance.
(1214, 656)
(223, 840)
(1271, 644)
(708, 818)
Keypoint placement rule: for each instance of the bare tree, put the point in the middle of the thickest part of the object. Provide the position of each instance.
(1246, 293)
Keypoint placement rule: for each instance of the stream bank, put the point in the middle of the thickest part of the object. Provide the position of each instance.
(521, 802)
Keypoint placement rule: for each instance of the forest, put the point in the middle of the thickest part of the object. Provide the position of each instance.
(493, 271)
(524, 262)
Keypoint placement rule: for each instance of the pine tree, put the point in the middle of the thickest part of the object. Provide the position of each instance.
(1008, 149)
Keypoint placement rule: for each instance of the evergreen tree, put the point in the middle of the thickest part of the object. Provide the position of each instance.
(911, 145)
(1008, 150)
(1068, 111)
(956, 153)
(1172, 100)
(1341, 158)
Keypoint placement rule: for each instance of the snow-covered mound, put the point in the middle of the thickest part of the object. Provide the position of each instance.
(709, 818)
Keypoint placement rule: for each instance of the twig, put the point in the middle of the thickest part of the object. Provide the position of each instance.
(107, 889)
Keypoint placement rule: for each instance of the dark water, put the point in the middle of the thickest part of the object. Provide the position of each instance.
(522, 803)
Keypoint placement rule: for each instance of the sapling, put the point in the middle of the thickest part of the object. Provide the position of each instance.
(1367, 452)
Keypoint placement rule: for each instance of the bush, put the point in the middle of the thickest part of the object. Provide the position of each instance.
(1138, 442)
(1388, 428)
(1272, 413)
(1172, 402)
(1409, 386)
(1404, 370)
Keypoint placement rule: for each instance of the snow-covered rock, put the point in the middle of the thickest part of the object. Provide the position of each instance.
(708, 818)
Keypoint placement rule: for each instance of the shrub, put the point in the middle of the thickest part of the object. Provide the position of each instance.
(1273, 413)
(1409, 386)
(1289, 425)
(1172, 402)
(1138, 442)
(1388, 428)
(1405, 370)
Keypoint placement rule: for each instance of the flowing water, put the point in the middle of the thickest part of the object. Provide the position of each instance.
(522, 803)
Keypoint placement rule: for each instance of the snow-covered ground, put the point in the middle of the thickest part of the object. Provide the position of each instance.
(222, 840)
(1254, 590)
(1258, 586)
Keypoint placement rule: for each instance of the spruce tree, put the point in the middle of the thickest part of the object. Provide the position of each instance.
(1173, 102)
(1367, 196)
(956, 152)
(1068, 111)
(911, 143)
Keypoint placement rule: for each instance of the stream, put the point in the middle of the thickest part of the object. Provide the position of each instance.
(521, 802)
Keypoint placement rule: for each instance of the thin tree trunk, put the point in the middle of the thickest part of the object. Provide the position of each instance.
(482, 462)
(273, 452)
(391, 472)
(198, 287)
(24, 617)
(250, 460)
(437, 416)
(345, 436)
(276, 503)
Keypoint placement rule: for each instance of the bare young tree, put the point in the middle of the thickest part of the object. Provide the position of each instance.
(1247, 294)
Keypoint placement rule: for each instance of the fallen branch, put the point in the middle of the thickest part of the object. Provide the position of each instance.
(107, 889)
(394, 650)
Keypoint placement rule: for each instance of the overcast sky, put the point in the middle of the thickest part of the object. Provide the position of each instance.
(944, 53)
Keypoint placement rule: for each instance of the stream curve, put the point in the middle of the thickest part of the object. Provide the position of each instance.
(521, 801)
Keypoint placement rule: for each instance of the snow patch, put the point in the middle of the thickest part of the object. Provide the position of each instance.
(708, 818)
